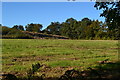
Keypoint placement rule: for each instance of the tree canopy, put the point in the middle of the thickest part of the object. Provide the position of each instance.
(18, 27)
(83, 29)
(33, 27)
(111, 12)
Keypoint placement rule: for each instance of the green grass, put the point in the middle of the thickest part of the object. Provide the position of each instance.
(55, 53)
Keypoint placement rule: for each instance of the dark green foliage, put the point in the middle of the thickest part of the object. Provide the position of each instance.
(5, 30)
(111, 12)
(0, 25)
(84, 29)
(18, 27)
(71, 28)
(18, 34)
(13, 33)
(33, 27)
(54, 28)
(34, 69)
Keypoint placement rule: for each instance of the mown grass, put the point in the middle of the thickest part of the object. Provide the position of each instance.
(19, 54)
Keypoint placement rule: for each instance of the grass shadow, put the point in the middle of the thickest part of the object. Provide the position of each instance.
(105, 70)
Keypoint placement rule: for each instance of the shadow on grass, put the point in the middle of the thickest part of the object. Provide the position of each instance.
(105, 70)
(13, 77)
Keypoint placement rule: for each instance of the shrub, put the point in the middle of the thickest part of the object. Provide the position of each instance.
(34, 69)
(5, 30)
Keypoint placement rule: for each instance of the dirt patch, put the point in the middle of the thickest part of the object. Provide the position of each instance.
(10, 64)
(46, 46)
(70, 59)
(36, 58)
(114, 48)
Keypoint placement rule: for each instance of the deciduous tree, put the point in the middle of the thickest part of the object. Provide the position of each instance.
(111, 12)
(33, 27)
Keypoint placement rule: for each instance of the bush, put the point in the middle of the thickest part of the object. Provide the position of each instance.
(11, 33)
(5, 30)
(34, 68)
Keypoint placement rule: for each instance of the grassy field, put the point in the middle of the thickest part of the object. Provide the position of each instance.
(56, 56)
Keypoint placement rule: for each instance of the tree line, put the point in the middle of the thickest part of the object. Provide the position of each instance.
(17, 31)
(84, 29)
(71, 28)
